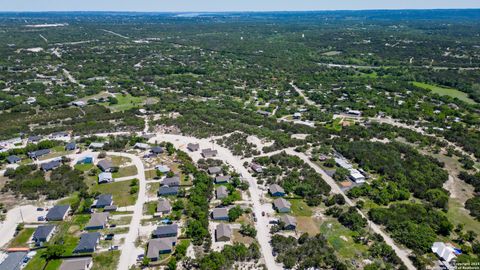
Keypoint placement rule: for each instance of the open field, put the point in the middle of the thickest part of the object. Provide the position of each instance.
(340, 238)
(127, 102)
(125, 171)
(300, 208)
(445, 91)
(107, 260)
(119, 190)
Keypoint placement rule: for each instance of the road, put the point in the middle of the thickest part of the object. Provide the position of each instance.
(302, 94)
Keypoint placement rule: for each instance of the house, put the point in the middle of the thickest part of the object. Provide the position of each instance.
(71, 146)
(58, 213)
(162, 168)
(297, 116)
(14, 261)
(209, 153)
(290, 223)
(263, 113)
(215, 170)
(86, 160)
(220, 214)
(163, 206)
(165, 231)
(97, 221)
(50, 165)
(193, 147)
(105, 177)
(445, 252)
(13, 159)
(103, 201)
(79, 103)
(223, 232)
(34, 139)
(356, 176)
(105, 165)
(60, 136)
(110, 208)
(83, 263)
(256, 168)
(159, 246)
(38, 153)
(343, 163)
(171, 181)
(221, 192)
(156, 150)
(276, 190)
(354, 113)
(142, 146)
(96, 145)
(43, 234)
(166, 190)
(88, 243)
(282, 205)
(221, 179)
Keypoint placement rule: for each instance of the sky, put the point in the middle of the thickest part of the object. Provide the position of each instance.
(228, 5)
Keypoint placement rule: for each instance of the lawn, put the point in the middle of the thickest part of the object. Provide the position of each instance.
(150, 174)
(125, 171)
(119, 190)
(22, 238)
(107, 260)
(53, 265)
(457, 214)
(300, 208)
(335, 125)
(442, 91)
(152, 188)
(308, 225)
(119, 160)
(83, 167)
(37, 262)
(340, 238)
(150, 208)
(126, 102)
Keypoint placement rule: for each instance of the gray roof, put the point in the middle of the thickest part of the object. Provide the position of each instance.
(96, 145)
(281, 203)
(166, 190)
(105, 164)
(219, 213)
(71, 146)
(76, 263)
(110, 208)
(171, 181)
(97, 220)
(288, 220)
(13, 261)
(193, 146)
(50, 165)
(223, 230)
(209, 153)
(221, 192)
(104, 200)
(38, 153)
(163, 205)
(13, 159)
(57, 212)
(156, 150)
(222, 178)
(105, 177)
(274, 188)
(42, 232)
(157, 245)
(165, 231)
(88, 242)
(35, 138)
(214, 170)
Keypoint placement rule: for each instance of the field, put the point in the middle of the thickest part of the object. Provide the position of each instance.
(300, 208)
(22, 238)
(106, 260)
(445, 92)
(340, 238)
(457, 214)
(125, 171)
(126, 102)
(119, 190)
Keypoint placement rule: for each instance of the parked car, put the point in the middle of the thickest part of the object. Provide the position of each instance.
(273, 221)
(113, 225)
(109, 236)
(263, 213)
(39, 209)
(41, 218)
(113, 248)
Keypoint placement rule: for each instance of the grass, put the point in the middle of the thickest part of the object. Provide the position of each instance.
(300, 208)
(239, 238)
(443, 91)
(119, 160)
(125, 171)
(37, 262)
(53, 265)
(121, 221)
(107, 260)
(457, 214)
(150, 208)
(308, 225)
(126, 102)
(341, 239)
(119, 190)
(83, 167)
(22, 238)
(150, 174)
(152, 188)
(335, 125)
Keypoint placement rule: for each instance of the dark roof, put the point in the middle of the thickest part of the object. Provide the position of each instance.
(157, 245)
(76, 263)
(105, 164)
(214, 170)
(104, 200)
(38, 153)
(110, 208)
(165, 190)
(34, 138)
(13, 261)
(156, 150)
(42, 232)
(50, 165)
(57, 212)
(13, 159)
(219, 213)
(166, 231)
(163, 205)
(71, 146)
(222, 178)
(193, 146)
(171, 181)
(88, 242)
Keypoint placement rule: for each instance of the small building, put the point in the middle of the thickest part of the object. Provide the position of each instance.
(282, 205)
(222, 179)
(209, 153)
(276, 190)
(343, 163)
(79, 103)
(256, 168)
(354, 113)
(221, 192)
(50, 165)
(34, 139)
(105, 165)
(86, 160)
(43, 234)
(220, 214)
(70, 146)
(96, 145)
(171, 181)
(58, 213)
(156, 150)
(297, 116)
(142, 146)
(83, 263)
(165, 231)
(162, 168)
(159, 246)
(356, 176)
(215, 170)
(110, 208)
(103, 200)
(60, 135)
(445, 252)
(105, 177)
(290, 223)
(88, 243)
(13, 159)
(14, 261)
(166, 191)
(263, 113)
(163, 206)
(223, 233)
(38, 153)
(97, 221)
(193, 147)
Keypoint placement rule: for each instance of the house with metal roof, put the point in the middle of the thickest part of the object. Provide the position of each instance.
(282, 205)
(82, 263)
(162, 168)
(171, 181)
(445, 252)
(356, 176)
(222, 179)
(256, 168)
(58, 213)
(38, 153)
(221, 192)
(223, 232)
(50, 165)
(157, 150)
(163, 206)
(13, 159)
(193, 147)
(70, 146)
(142, 146)
(290, 223)
(215, 170)
(105, 177)
(209, 153)
(103, 200)
(97, 221)
(220, 214)
(165, 231)
(167, 191)
(105, 165)
(159, 246)
(276, 190)
(88, 243)
(14, 261)
(96, 145)
(43, 234)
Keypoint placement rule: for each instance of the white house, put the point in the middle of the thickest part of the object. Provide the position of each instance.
(356, 176)
(446, 252)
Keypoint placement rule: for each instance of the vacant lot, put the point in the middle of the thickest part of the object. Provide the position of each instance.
(445, 92)
(126, 171)
(340, 238)
(107, 260)
(300, 208)
(119, 190)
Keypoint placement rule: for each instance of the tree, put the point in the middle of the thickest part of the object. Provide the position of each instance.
(234, 213)
(53, 252)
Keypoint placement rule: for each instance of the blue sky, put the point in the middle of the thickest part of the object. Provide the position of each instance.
(227, 5)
